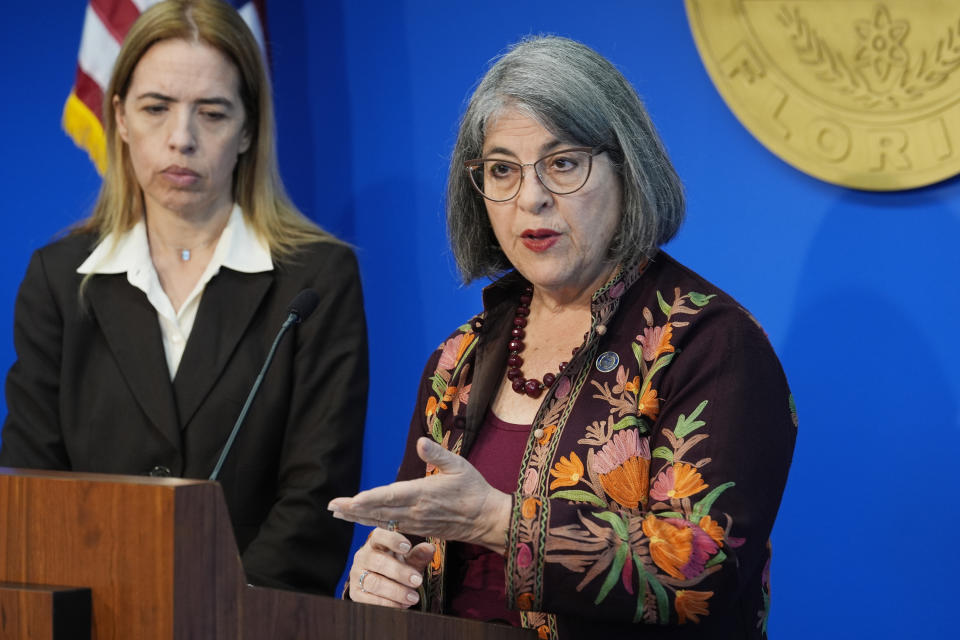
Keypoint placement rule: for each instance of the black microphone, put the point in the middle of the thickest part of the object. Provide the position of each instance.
(302, 305)
(300, 308)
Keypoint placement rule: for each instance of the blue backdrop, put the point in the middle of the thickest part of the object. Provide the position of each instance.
(858, 291)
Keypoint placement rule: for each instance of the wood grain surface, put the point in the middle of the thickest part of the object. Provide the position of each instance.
(160, 562)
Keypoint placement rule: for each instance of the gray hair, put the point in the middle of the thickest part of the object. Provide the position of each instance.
(581, 98)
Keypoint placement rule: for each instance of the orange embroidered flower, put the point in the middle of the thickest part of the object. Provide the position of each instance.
(665, 337)
(467, 339)
(656, 340)
(448, 395)
(453, 350)
(525, 601)
(712, 528)
(543, 632)
(437, 557)
(688, 481)
(548, 432)
(567, 472)
(691, 604)
(678, 546)
(627, 484)
(649, 405)
(529, 508)
(431, 406)
(624, 467)
(633, 385)
(670, 546)
(679, 481)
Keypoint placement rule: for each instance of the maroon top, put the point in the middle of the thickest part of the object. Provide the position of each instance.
(496, 454)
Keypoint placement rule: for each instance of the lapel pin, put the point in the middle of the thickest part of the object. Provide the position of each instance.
(607, 361)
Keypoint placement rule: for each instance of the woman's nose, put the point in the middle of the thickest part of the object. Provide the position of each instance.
(181, 135)
(533, 195)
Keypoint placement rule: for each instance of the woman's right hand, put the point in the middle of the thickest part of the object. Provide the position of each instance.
(390, 570)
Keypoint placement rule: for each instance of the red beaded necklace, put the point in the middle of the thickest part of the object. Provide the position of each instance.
(532, 387)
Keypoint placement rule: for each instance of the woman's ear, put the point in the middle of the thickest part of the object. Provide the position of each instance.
(245, 140)
(120, 116)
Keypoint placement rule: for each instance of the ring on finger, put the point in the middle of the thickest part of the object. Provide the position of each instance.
(363, 574)
(392, 525)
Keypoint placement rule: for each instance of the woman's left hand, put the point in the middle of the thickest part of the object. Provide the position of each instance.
(455, 503)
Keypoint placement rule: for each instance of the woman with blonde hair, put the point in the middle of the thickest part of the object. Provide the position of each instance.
(139, 334)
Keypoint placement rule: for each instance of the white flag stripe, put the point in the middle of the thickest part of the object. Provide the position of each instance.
(98, 49)
(249, 14)
(143, 5)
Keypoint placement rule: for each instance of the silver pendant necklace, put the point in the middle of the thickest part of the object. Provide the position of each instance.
(187, 253)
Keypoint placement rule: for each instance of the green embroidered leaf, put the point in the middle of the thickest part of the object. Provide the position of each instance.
(615, 569)
(661, 362)
(618, 524)
(663, 604)
(579, 496)
(463, 358)
(637, 352)
(663, 305)
(465, 328)
(633, 421)
(699, 299)
(669, 514)
(436, 429)
(629, 421)
(641, 590)
(664, 453)
(686, 425)
(717, 559)
(643, 426)
(703, 507)
(439, 385)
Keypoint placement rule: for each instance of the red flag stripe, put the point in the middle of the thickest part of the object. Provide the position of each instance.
(117, 15)
(89, 93)
(261, 7)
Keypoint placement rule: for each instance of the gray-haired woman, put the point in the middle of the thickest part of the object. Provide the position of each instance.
(607, 443)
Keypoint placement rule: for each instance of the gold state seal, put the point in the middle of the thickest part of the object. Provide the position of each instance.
(864, 94)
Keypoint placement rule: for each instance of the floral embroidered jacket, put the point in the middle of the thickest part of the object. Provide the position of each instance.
(654, 468)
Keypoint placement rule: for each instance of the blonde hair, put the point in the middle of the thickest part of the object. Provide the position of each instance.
(257, 186)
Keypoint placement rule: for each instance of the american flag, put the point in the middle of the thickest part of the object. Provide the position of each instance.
(104, 26)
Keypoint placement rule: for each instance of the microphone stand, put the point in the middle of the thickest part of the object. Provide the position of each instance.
(291, 320)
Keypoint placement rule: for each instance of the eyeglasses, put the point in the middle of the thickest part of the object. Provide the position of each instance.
(561, 172)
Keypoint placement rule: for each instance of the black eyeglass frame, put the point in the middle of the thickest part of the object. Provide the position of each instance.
(470, 165)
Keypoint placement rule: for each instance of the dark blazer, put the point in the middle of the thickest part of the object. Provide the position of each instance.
(90, 391)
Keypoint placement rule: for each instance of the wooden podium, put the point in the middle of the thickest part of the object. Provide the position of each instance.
(135, 558)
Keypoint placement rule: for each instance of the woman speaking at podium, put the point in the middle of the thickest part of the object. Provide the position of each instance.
(140, 333)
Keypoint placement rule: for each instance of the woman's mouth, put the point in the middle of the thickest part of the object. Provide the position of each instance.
(539, 240)
(180, 176)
